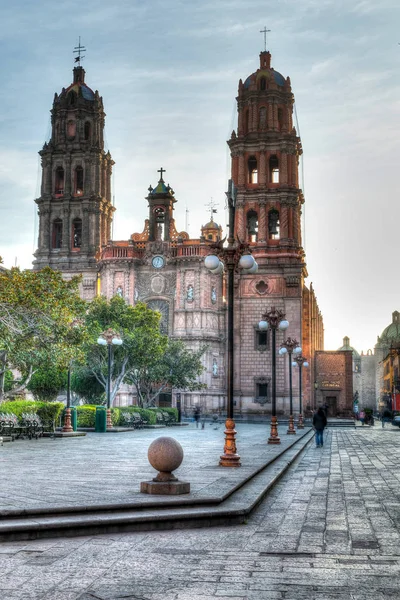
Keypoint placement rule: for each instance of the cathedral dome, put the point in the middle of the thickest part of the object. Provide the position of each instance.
(346, 346)
(211, 225)
(391, 333)
(265, 73)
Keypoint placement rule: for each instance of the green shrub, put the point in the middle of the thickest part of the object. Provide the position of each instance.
(147, 415)
(170, 411)
(86, 415)
(47, 411)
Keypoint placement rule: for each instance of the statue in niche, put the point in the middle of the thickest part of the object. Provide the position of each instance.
(136, 295)
(213, 295)
(190, 293)
(215, 367)
(119, 291)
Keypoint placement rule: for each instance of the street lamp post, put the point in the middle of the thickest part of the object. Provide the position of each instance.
(67, 418)
(76, 323)
(301, 361)
(233, 255)
(273, 319)
(289, 347)
(109, 338)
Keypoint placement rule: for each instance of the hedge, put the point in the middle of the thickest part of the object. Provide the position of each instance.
(86, 415)
(147, 415)
(47, 411)
(170, 411)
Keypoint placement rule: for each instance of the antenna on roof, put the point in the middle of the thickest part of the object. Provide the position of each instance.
(212, 207)
(187, 220)
(78, 50)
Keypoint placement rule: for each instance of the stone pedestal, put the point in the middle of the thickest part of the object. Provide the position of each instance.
(166, 488)
(165, 455)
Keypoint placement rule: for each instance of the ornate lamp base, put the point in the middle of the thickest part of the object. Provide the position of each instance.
(109, 421)
(230, 458)
(300, 424)
(291, 430)
(274, 437)
(67, 421)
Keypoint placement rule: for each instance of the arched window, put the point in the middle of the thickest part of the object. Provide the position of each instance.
(78, 188)
(273, 224)
(71, 129)
(76, 233)
(253, 172)
(280, 118)
(56, 238)
(59, 181)
(72, 98)
(159, 214)
(252, 226)
(87, 130)
(274, 169)
(263, 118)
(263, 84)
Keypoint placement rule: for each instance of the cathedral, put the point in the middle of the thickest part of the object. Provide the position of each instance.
(165, 268)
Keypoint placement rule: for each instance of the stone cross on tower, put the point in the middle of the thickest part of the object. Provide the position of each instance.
(265, 31)
(161, 171)
(78, 50)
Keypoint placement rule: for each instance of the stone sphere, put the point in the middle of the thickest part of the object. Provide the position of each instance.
(165, 454)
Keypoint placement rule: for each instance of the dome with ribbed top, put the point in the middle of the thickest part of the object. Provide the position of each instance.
(391, 333)
(346, 346)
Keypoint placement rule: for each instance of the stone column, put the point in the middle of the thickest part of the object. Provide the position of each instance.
(67, 176)
(283, 168)
(262, 223)
(66, 242)
(242, 169)
(255, 116)
(240, 224)
(262, 168)
(283, 217)
(270, 117)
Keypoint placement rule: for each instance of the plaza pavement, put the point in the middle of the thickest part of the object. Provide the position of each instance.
(328, 530)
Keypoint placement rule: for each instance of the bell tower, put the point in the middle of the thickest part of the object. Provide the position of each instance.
(265, 151)
(75, 206)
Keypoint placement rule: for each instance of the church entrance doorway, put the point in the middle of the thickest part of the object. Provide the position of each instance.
(331, 406)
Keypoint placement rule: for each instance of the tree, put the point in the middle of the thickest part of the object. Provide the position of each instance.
(85, 386)
(37, 310)
(139, 328)
(47, 382)
(178, 367)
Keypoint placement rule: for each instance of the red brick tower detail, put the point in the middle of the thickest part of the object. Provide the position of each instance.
(265, 152)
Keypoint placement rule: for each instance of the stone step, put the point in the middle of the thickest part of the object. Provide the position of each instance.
(220, 507)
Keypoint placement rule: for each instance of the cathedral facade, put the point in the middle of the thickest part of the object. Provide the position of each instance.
(165, 268)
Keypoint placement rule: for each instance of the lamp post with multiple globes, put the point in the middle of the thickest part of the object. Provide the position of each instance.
(273, 319)
(301, 361)
(289, 347)
(235, 254)
(109, 338)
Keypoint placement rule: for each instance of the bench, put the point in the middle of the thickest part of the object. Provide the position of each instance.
(132, 419)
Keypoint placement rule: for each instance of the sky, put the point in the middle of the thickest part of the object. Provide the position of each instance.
(168, 72)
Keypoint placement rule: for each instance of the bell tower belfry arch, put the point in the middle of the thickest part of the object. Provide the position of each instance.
(75, 205)
(265, 151)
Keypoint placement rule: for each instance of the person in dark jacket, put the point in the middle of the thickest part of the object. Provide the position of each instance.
(319, 424)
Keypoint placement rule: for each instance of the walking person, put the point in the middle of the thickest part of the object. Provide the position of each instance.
(197, 412)
(319, 424)
(386, 416)
(362, 417)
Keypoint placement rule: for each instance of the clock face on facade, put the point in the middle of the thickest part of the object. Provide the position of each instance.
(158, 262)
